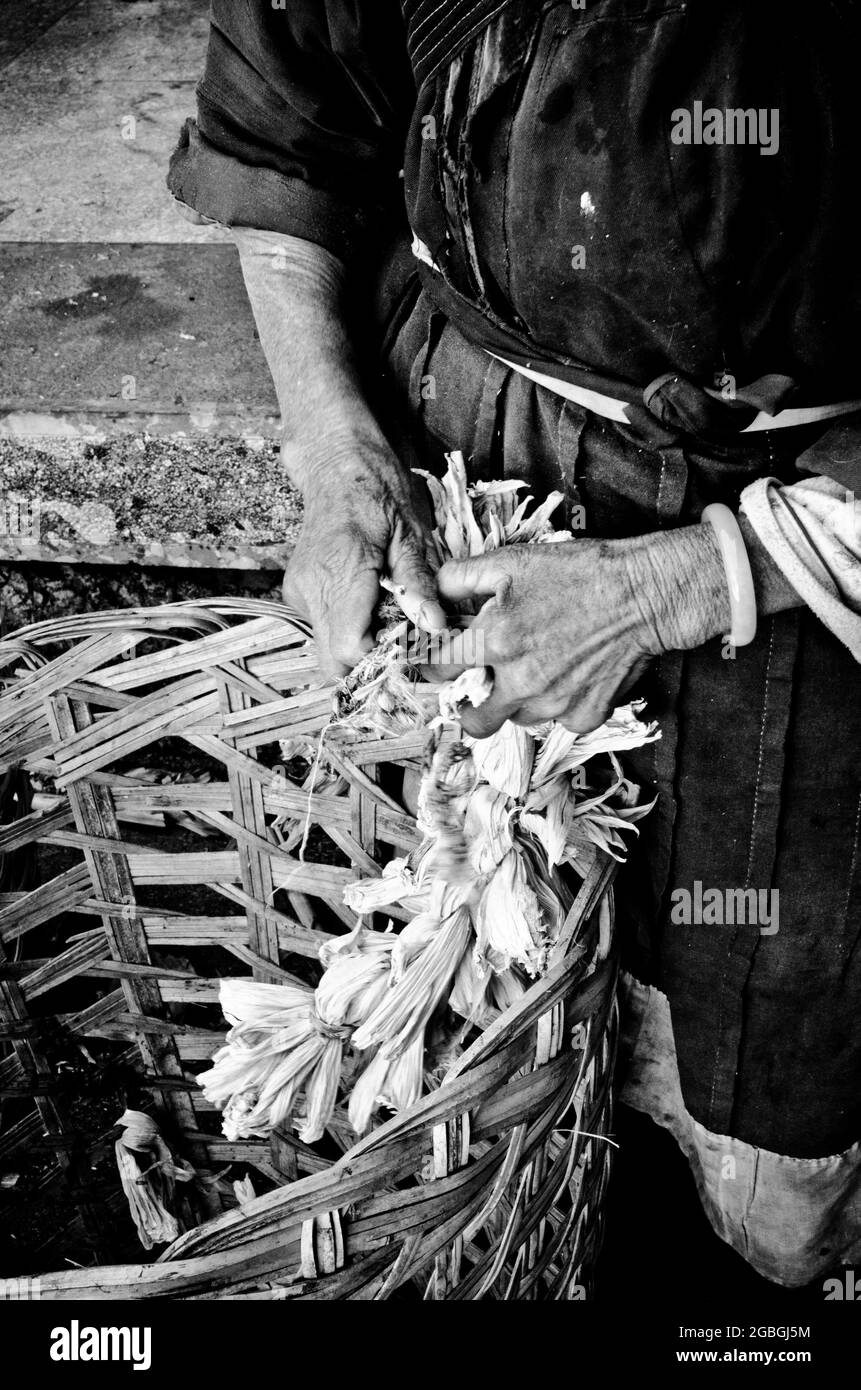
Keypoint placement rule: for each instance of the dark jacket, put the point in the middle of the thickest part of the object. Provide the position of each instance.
(542, 172)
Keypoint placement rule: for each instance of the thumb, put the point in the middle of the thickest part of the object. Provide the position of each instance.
(477, 577)
(411, 571)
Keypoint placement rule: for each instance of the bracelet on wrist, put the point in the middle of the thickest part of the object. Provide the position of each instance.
(739, 575)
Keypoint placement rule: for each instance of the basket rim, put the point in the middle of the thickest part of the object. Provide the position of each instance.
(182, 1264)
(585, 980)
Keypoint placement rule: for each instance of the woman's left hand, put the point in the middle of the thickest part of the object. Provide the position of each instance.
(570, 625)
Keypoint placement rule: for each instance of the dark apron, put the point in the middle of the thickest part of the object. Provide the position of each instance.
(757, 771)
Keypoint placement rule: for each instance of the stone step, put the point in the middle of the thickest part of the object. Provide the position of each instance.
(104, 338)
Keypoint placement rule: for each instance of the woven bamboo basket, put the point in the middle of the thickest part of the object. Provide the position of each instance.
(491, 1186)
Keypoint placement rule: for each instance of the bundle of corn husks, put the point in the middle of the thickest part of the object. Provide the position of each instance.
(149, 1174)
(505, 822)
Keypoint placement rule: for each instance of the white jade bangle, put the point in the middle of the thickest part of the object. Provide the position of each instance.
(739, 576)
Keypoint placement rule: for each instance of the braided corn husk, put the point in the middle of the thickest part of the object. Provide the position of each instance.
(504, 821)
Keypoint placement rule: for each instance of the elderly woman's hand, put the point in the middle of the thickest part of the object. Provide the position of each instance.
(363, 519)
(363, 509)
(569, 626)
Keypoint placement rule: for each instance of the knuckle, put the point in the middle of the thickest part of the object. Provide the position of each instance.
(506, 592)
(583, 719)
(540, 712)
(501, 637)
(341, 652)
(293, 588)
(532, 673)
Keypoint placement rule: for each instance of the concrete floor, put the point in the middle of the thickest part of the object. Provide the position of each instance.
(125, 329)
(109, 337)
(93, 96)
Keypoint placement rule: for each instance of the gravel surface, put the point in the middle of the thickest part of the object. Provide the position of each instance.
(220, 492)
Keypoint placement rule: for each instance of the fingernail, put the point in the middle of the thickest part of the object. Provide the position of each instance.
(434, 617)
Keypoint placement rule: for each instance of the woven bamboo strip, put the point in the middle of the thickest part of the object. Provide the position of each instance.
(34, 1067)
(249, 830)
(31, 828)
(304, 941)
(251, 727)
(45, 902)
(33, 689)
(259, 635)
(490, 1185)
(64, 967)
(393, 827)
(131, 730)
(112, 879)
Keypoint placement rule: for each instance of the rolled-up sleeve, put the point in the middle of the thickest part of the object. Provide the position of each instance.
(302, 115)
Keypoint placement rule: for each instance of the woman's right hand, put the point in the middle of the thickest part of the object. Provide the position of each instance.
(364, 514)
(364, 517)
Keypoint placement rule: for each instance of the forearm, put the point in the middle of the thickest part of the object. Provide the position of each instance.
(296, 291)
(681, 577)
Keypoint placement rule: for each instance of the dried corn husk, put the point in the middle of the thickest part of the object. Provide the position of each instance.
(398, 883)
(562, 752)
(381, 696)
(394, 1082)
(503, 820)
(443, 801)
(504, 760)
(149, 1174)
(487, 828)
(429, 960)
(508, 920)
(286, 1038)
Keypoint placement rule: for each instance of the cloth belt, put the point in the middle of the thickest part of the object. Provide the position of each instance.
(618, 410)
(676, 401)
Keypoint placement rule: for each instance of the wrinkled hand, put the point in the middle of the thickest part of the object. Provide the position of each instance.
(363, 518)
(569, 626)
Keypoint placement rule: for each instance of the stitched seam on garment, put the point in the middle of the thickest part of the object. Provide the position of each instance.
(823, 1190)
(661, 490)
(479, 413)
(559, 464)
(671, 670)
(853, 863)
(757, 797)
(626, 980)
(722, 992)
(560, 420)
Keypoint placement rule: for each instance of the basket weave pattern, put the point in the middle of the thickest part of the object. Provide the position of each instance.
(490, 1186)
